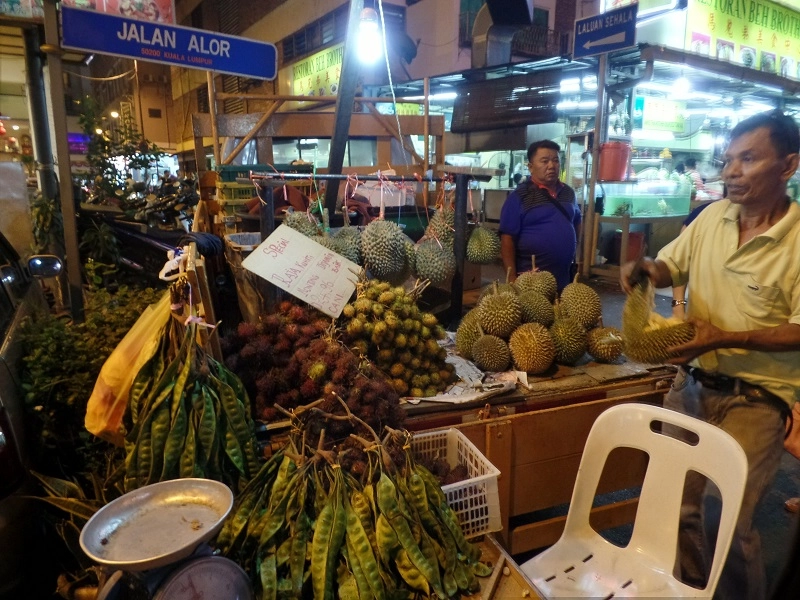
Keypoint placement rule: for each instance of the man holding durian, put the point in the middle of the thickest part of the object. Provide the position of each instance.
(741, 369)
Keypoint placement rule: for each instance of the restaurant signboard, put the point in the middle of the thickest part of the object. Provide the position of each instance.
(759, 34)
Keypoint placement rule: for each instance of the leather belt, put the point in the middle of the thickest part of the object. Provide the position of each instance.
(734, 385)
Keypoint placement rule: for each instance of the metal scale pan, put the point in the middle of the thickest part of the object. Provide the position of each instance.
(156, 525)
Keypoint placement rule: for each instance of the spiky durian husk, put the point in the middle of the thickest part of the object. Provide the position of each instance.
(582, 303)
(349, 239)
(442, 226)
(383, 247)
(569, 336)
(483, 246)
(435, 262)
(303, 222)
(411, 254)
(500, 314)
(647, 334)
(490, 353)
(330, 243)
(532, 348)
(537, 281)
(467, 333)
(496, 287)
(605, 344)
(536, 308)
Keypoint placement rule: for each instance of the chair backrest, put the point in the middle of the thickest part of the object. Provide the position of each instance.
(714, 454)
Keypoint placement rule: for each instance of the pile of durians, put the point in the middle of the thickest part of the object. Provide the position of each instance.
(524, 325)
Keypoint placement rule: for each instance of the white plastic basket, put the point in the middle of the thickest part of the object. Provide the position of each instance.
(474, 500)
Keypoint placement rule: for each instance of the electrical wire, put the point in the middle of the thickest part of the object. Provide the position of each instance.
(111, 78)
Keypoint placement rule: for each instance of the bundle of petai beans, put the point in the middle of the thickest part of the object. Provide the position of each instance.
(306, 528)
(188, 416)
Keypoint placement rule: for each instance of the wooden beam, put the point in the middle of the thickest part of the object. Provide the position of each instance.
(498, 452)
(390, 129)
(253, 132)
(311, 124)
(546, 533)
(314, 99)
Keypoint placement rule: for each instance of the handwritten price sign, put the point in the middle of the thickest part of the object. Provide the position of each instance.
(305, 269)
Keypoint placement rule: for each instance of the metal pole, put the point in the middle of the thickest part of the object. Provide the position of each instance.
(37, 101)
(212, 109)
(459, 247)
(267, 226)
(344, 103)
(138, 92)
(426, 86)
(56, 77)
(600, 131)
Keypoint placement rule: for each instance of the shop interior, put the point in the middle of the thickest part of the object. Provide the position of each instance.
(663, 108)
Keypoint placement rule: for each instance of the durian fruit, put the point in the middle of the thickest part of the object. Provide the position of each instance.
(409, 263)
(500, 314)
(383, 247)
(536, 308)
(582, 303)
(435, 262)
(483, 246)
(349, 239)
(647, 334)
(411, 254)
(496, 287)
(569, 337)
(532, 348)
(491, 353)
(331, 243)
(303, 222)
(543, 282)
(442, 226)
(467, 333)
(605, 344)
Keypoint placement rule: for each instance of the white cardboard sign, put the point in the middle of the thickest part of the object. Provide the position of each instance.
(307, 270)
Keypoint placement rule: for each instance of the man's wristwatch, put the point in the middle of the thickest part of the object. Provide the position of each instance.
(679, 303)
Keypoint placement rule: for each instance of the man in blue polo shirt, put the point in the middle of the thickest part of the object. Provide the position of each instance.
(541, 218)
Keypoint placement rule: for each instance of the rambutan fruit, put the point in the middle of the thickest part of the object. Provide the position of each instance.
(309, 389)
(246, 330)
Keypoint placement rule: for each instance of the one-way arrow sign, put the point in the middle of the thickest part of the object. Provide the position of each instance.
(612, 30)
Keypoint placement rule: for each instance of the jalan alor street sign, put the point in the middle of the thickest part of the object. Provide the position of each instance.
(92, 31)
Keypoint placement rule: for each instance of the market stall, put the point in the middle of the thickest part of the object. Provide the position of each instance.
(535, 438)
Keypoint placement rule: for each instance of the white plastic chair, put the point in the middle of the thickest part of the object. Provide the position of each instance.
(582, 564)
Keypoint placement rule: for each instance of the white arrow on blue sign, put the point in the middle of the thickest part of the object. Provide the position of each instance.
(92, 31)
(612, 30)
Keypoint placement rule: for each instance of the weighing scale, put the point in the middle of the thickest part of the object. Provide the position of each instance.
(152, 543)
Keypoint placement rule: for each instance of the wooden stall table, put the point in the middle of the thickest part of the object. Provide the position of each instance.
(535, 437)
(507, 580)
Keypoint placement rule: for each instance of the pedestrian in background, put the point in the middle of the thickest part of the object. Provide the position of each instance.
(541, 218)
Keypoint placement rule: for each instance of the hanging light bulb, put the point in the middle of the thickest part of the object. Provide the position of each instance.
(370, 43)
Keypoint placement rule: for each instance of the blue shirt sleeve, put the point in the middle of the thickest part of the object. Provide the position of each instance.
(511, 216)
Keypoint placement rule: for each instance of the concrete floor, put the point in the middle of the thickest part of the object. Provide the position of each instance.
(779, 528)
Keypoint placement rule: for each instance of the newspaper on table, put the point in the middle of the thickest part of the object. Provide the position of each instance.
(473, 384)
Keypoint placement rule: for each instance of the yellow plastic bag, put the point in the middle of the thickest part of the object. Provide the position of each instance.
(109, 397)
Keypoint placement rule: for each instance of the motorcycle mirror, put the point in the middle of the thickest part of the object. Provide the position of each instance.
(44, 266)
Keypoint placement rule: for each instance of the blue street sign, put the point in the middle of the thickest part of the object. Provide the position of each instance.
(92, 31)
(612, 30)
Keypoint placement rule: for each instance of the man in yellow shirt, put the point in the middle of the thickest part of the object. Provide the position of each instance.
(742, 369)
